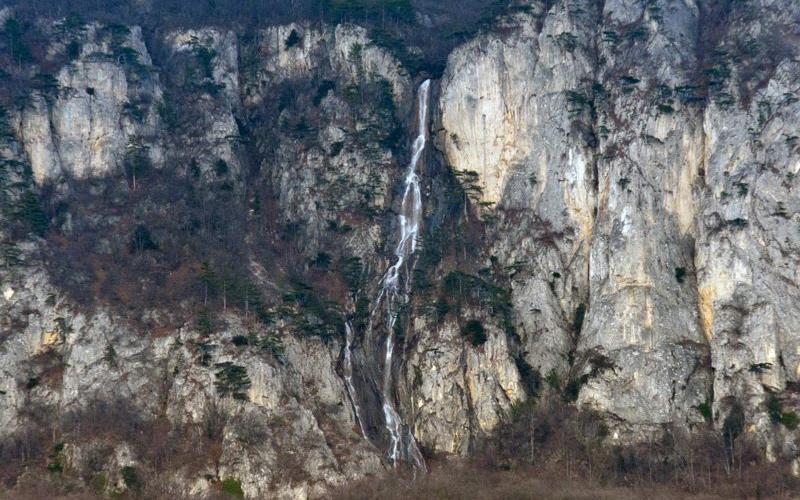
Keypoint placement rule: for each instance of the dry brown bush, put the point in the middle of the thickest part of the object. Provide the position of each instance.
(547, 449)
(468, 481)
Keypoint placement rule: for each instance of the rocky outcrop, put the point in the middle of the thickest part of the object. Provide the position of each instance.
(296, 51)
(294, 432)
(323, 80)
(99, 108)
(506, 115)
(458, 392)
(633, 202)
(747, 265)
(204, 63)
(266, 407)
(642, 317)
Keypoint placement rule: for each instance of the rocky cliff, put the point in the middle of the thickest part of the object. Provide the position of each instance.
(197, 225)
(618, 138)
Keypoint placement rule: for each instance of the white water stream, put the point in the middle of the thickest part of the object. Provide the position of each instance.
(348, 376)
(392, 292)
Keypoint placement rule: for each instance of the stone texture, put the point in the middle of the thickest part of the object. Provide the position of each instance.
(747, 266)
(297, 428)
(648, 169)
(646, 201)
(104, 104)
(644, 218)
(505, 115)
(458, 392)
(214, 134)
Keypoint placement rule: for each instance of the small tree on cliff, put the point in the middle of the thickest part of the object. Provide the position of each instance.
(232, 380)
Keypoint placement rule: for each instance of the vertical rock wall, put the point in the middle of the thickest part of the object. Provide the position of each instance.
(660, 160)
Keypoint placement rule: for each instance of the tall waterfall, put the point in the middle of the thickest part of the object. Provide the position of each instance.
(394, 293)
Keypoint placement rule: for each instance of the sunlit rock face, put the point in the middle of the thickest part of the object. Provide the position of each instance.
(98, 106)
(506, 115)
(668, 208)
(457, 392)
(642, 319)
(747, 268)
(629, 177)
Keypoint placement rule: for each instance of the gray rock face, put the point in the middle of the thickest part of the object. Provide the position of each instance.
(639, 315)
(214, 133)
(747, 267)
(345, 50)
(536, 167)
(631, 169)
(616, 191)
(100, 106)
(297, 411)
(293, 432)
(458, 392)
(361, 93)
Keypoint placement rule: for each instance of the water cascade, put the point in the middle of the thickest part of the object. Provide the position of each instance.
(395, 293)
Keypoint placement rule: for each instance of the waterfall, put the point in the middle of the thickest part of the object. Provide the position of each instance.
(348, 376)
(393, 293)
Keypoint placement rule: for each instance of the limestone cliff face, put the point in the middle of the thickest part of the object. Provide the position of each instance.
(747, 268)
(640, 315)
(346, 141)
(459, 392)
(214, 132)
(665, 208)
(292, 432)
(82, 123)
(288, 440)
(610, 206)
